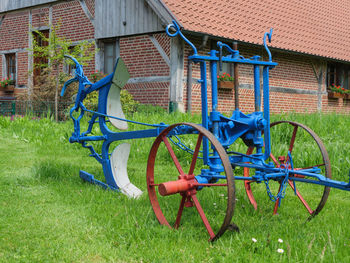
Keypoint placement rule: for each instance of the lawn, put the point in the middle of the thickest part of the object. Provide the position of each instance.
(48, 214)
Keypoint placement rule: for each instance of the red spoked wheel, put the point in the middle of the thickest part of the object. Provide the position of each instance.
(173, 189)
(307, 151)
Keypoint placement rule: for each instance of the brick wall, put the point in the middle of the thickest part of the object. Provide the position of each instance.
(14, 31)
(22, 68)
(40, 17)
(155, 93)
(73, 25)
(144, 60)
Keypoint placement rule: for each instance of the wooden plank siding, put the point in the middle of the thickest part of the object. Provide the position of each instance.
(9, 5)
(116, 18)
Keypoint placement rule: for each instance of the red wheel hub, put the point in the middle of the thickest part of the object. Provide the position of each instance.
(185, 183)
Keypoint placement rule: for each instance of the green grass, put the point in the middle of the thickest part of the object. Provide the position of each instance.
(48, 214)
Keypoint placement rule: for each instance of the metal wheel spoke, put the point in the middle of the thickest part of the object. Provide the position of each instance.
(274, 159)
(202, 215)
(195, 154)
(277, 201)
(179, 213)
(173, 156)
(153, 184)
(292, 140)
(289, 133)
(184, 185)
(209, 185)
(317, 165)
(301, 198)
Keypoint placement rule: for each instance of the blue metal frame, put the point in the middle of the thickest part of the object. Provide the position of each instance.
(227, 130)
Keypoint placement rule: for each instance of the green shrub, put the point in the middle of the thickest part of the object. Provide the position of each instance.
(129, 105)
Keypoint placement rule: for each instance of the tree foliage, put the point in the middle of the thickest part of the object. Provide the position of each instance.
(51, 62)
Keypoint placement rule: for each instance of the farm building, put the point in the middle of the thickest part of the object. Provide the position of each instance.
(310, 42)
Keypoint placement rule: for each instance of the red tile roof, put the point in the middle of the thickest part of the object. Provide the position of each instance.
(317, 27)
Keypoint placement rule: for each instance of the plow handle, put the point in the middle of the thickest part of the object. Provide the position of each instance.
(81, 78)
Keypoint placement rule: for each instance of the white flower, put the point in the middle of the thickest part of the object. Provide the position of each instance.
(280, 250)
(214, 204)
(254, 240)
(222, 195)
(280, 240)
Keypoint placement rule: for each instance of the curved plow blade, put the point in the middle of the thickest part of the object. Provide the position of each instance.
(114, 105)
(119, 160)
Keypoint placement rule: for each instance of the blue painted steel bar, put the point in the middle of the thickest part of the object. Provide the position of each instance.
(327, 182)
(267, 36)
(100, 84)
(233, 52)
(87, 139)
(257, 96)
(214, 81)
(90, 178)
(133, 134)
(214, 115)
(177, 29)
(266, 92)
(204, 98)
(199, 58)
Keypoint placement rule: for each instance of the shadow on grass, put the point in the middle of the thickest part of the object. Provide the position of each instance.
(55, 171)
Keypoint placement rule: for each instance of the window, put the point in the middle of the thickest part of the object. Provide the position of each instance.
(110, 54)
(226, 68)
(109, 57)
(11, 66)
(338, 74)
(40, 60)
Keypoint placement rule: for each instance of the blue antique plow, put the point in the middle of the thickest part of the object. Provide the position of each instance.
(202, 177)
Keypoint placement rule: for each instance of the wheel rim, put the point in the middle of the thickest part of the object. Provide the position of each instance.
(168, 204)
(299, 140)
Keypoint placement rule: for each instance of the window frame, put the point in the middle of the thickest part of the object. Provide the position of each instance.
(116, 52)
(40, 60)
(13, 66)
(338, 74)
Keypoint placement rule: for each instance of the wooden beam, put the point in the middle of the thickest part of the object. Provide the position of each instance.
(30, 55)
(160, 49)
(87, 11)
(149, 79)
(176, 72)
(162, 12)
(319, 78)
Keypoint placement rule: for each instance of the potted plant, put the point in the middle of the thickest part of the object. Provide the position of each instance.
(225, 81)
(7, 84)
(336, 92)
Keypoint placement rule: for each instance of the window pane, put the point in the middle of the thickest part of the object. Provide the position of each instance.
(109, 57)
(11, 66)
